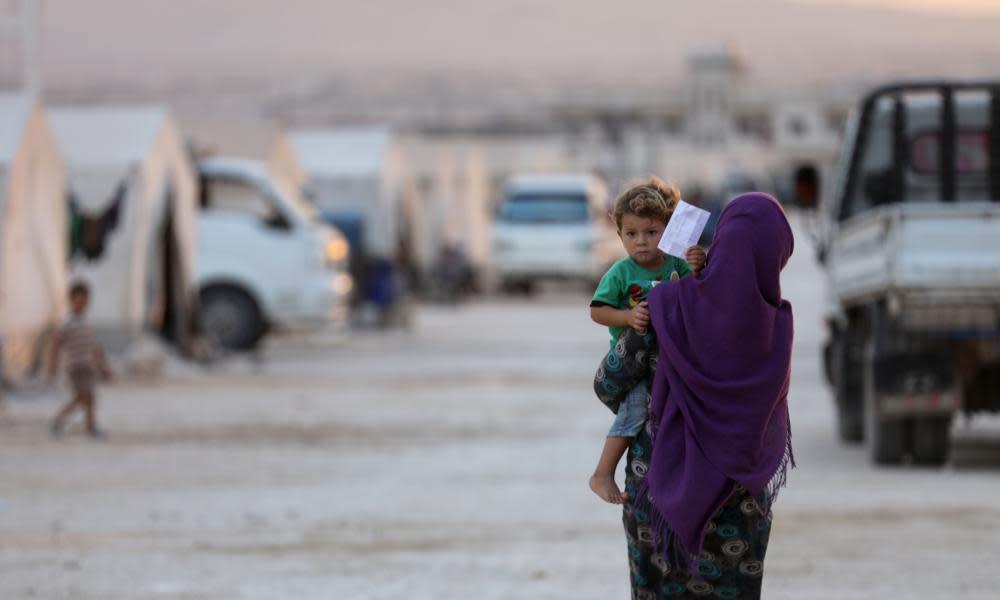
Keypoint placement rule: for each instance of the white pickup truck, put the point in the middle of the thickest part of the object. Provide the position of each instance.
(265, 260)
(910, 242)
(553, 227)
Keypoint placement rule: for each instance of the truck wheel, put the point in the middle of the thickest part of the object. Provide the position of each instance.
(850, 392)
(845, 363)
(850, 425)
(886, 438)
(230, 318)
(931, 440)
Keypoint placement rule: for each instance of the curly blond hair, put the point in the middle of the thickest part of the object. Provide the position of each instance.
(651, 198)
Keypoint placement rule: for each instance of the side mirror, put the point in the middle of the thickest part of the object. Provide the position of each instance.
(806, 187)
(278, 221)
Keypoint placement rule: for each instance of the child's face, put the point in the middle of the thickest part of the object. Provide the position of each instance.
(640, 235)
(78, 302)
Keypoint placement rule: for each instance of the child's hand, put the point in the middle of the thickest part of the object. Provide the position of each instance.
(696, 257)
(638, 317)
(107, 374)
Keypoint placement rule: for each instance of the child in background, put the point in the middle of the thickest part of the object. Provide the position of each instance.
(85, 361)
(641, 214)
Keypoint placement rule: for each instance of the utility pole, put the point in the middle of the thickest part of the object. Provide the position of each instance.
(19, 55)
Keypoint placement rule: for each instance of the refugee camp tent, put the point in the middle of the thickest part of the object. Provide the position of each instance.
(285, 164)
(133, 207)
(451, 204)
(356, 178)
(354, 175)
(33, 280)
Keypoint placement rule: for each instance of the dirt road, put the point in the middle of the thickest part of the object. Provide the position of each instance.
(447, 462)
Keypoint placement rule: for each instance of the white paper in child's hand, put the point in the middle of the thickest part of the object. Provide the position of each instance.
(684, 229)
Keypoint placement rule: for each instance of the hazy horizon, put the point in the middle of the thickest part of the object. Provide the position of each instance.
(261, 61)
(165, 43)
(952, 7)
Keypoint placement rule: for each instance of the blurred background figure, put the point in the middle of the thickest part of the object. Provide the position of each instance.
(76, 347)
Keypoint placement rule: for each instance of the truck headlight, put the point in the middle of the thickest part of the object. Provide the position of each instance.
(336, 251)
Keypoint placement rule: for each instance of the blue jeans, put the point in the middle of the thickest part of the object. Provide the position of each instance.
(631, 413)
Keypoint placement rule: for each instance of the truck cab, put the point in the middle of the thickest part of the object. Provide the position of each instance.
(265, 260)
(909, 238)
(553, 227)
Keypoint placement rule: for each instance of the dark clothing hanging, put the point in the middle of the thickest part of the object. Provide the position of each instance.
(89, 233)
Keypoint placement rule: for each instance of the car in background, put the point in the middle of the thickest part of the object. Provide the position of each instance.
(553, 227)
(265, 260)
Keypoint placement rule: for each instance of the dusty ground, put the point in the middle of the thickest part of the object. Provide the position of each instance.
(448, 462)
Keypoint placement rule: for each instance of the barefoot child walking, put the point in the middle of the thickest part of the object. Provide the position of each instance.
(641, 213)
(85, 361)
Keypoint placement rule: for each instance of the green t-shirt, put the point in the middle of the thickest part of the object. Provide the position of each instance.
(626, 284)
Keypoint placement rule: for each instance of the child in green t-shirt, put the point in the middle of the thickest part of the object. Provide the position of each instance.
(641, 214)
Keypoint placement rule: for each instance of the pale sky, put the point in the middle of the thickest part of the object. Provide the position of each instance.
(953, 7)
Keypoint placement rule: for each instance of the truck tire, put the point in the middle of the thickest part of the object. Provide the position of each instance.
(846, 359)
(886, 439)
(931, 440)
(850, 425)
(230, 318)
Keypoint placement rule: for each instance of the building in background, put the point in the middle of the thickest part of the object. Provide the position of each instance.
(715, 78)
(714, 129)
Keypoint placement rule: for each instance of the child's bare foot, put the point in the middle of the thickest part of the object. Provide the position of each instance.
(605, 487)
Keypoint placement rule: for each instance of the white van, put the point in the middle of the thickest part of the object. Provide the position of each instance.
(553, 227)
(264, 259)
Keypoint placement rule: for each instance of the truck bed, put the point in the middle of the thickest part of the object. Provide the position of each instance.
(938, 263)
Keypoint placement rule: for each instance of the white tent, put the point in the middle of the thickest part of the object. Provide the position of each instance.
(451, 205)
(355, 171)
(133, 196)
(284, 162)
(32, 233)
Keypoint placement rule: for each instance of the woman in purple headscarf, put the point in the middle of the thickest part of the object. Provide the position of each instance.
(703, 474)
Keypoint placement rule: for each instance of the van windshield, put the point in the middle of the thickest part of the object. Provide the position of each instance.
(545, 208)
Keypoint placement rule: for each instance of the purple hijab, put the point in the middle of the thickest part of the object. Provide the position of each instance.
(720, 392)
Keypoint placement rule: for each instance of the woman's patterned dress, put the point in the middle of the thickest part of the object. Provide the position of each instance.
(732, 559)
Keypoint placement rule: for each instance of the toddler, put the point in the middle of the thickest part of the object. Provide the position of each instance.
(85, 362)
(641, 213)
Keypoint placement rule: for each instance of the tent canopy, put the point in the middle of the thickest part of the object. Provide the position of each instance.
(32, 232)
(101, 145)
(101, 137)
(132, 159)
(343, 152)
(350, 171)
